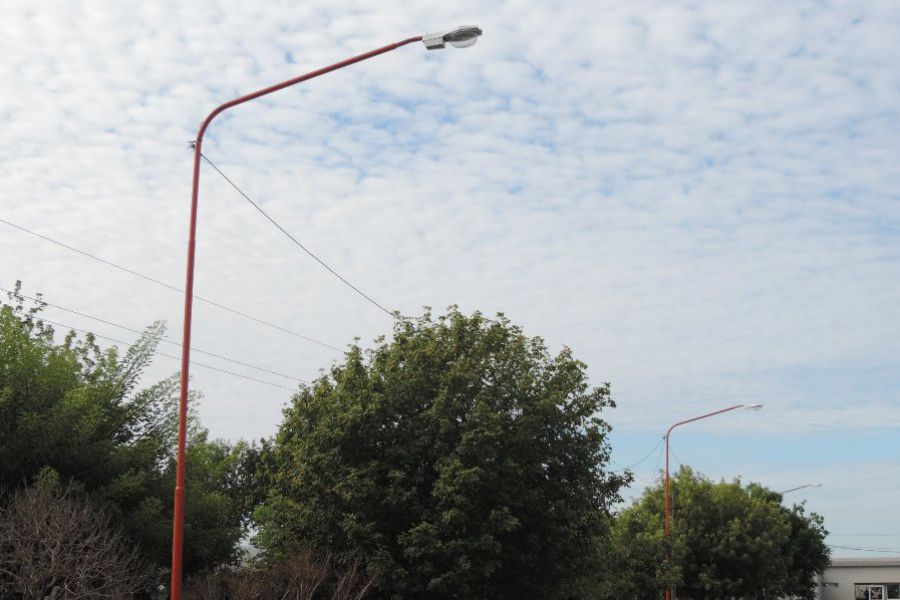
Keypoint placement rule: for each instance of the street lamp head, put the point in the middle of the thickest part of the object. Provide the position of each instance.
(753, 406)
(461, 37)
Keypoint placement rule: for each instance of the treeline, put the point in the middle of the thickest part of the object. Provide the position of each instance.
(460, 459)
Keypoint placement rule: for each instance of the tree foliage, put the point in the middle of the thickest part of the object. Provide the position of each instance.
(460, 459)
(75, 408)
(727, 541)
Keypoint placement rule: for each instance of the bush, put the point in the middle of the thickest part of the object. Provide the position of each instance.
(461, 459)
(302, 577)
(56, 545)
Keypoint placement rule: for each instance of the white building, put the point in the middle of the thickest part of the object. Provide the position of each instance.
(861, 579)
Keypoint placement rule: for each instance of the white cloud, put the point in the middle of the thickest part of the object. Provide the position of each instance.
(701, 199)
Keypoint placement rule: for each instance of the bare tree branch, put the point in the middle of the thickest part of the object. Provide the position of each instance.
(55, 545)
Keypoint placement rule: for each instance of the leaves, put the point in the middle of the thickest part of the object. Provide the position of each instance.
(461, 459)
(726, 540)
(75, 408)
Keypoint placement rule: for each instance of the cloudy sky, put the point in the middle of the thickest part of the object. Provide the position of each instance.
(702, 199)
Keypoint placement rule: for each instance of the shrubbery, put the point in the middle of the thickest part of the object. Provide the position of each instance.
(458, 460)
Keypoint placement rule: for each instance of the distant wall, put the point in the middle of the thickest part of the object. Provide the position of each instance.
(839, 580)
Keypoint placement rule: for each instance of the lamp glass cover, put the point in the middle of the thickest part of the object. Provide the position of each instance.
(464, 43)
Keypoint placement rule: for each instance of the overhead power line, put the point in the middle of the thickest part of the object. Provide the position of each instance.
(160, 338)
(158, 353)
(675, 456)
(169, 286)
(864, 535)
(295, 240)
(659, 459)
(646, 456)
(885, 550)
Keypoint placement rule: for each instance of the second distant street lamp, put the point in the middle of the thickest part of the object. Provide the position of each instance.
(801, 487)
(668, 433)
(461, 37)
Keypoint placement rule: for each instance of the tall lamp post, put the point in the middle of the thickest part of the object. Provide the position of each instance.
(668, 433)
(461, 37)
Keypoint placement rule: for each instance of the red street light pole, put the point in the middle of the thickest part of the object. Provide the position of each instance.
(668, 433)
(460, 37)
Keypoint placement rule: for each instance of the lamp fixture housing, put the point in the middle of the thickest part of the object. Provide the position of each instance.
(461, 37)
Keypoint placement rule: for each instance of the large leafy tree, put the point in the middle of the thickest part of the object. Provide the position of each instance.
(727, 541)
(460, 459)
(74, 408)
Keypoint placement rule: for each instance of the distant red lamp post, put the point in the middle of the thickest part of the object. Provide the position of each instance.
(461, 37)
(668, 433)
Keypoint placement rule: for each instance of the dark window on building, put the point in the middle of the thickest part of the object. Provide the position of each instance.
(865, 591)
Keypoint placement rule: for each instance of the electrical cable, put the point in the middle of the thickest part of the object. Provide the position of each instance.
(658, 460)
(157, 352)
(295, 240)
(885, 550)
(648, 455)
(169, 286)
(864, 535)
(160, 338)
(675, 456)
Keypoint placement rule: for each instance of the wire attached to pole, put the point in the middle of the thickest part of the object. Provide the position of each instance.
(160, 338)
(391, 314)
(157, 352)
(169, 286)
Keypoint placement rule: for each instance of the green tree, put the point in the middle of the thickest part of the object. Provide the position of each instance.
(727, 541)
(75, 408)
(460, 459)
(70, 406)
(634, 551)
(216, 510)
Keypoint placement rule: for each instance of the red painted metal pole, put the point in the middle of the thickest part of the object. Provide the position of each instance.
(178, 516)
(668, 433)
(668, 552)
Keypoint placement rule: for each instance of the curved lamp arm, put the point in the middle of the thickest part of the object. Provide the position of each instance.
(668, 433)
(461, 37)
(178, 513)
